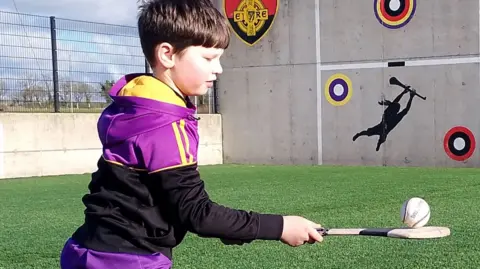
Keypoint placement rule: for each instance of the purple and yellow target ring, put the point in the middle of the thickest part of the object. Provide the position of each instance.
(394, 14)
(338, 89)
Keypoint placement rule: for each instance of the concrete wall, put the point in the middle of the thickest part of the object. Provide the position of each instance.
(437, 31)
(54, 144)
(280, 82)
(268, 93)
(452, 94)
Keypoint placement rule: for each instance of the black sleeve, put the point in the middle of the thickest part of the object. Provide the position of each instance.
(185, 194)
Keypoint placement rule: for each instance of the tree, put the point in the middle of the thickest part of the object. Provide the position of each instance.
(33, 94)
(2, 90)
(105, 88)
(76, 92)
(3, 102)
(82, 92)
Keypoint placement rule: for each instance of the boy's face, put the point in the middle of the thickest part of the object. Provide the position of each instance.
(194, 71)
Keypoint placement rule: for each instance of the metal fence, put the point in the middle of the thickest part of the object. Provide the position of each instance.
(49, 64)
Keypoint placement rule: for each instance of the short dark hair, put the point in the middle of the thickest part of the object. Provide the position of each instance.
(182, 23)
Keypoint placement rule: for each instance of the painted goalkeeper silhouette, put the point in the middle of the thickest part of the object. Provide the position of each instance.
(390, 119)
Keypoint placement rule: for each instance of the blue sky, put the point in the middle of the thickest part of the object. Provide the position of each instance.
(93, 52)
(107, 11)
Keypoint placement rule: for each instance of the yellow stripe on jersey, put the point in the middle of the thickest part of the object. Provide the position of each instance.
(187, 142)
(181, 149)
(121, 164)
(170, 167)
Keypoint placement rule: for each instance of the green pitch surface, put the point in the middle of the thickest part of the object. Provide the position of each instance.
(37, 216)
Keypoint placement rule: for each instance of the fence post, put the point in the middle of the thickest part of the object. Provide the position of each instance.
(53, 35)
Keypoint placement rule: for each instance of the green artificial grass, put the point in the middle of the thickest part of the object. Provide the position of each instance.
(38, 215)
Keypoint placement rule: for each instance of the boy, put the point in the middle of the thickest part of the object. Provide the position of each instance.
(147, 192)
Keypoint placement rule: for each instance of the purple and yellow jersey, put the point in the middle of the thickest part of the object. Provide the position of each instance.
(147, 192)
(148, 127)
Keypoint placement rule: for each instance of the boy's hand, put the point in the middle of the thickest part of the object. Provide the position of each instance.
(298, 231)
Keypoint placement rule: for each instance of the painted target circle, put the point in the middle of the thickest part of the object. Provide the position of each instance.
(394, 14)
(338, 89)
(459, 143)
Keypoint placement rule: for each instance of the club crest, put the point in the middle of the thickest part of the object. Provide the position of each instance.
(250, 19)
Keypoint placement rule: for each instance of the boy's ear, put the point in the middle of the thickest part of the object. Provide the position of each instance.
(165, 55)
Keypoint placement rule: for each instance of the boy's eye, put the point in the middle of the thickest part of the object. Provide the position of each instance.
(211, 57)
